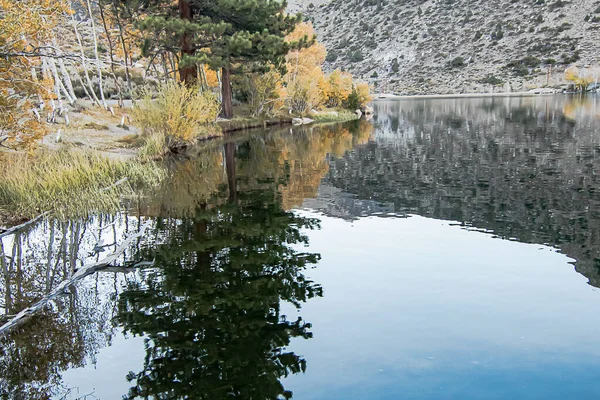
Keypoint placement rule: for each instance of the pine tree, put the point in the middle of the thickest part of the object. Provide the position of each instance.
(255, 34)
(230, 35)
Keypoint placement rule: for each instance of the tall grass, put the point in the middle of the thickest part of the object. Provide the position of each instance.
(70, 183)
(174, 116)
(334, 116)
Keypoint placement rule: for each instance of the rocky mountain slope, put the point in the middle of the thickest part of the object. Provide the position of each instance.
(458, 46)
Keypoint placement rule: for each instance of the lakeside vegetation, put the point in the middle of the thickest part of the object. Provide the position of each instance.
(70, 182)
(58, 54)
(173, 72)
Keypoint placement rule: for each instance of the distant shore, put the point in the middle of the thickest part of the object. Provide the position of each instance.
(531, 93)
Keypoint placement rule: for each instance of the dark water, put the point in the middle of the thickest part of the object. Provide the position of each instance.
(447, 249)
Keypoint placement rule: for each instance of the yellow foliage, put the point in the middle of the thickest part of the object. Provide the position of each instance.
(25, 26)
(303, 61)
(580, 79)
(177, 114)
(364, 94)
(337, 87)
(307, 87)
(211, 77)
(304, 93)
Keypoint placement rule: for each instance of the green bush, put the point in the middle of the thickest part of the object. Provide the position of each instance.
(458, 62)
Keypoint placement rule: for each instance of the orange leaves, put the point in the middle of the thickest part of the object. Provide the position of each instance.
(307, 60)
(307, 86)
(25, 25)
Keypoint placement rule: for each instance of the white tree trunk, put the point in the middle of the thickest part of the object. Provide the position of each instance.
(65, 73)
(98, 66)
(60, 87)
(84, 64)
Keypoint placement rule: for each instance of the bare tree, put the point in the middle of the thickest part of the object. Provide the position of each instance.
(98, 64)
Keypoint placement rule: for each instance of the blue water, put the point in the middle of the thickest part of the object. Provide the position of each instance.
(445, 249)
(420, 309)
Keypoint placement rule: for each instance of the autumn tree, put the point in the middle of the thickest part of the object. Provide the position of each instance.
(307, 86)
(581, 79)
(25, 46)
(305, 76)
(337, 87)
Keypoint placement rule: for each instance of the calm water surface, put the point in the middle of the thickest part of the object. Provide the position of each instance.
(446, 249)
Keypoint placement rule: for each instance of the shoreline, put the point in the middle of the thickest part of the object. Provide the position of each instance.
(541, 92)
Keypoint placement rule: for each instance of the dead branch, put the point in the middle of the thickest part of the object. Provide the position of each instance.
(18, 228)
(82, 272)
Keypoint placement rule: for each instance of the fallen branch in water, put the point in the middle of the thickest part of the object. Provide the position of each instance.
(17, 228)
(79, 274)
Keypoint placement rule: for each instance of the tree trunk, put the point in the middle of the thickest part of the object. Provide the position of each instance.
(226, 94)
(230, 168)
(83, 62)
(187, 74)
(65, 74)
(98, 65)
(123, 44)
(112, 56)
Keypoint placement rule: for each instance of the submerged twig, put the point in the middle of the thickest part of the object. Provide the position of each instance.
(79, 274)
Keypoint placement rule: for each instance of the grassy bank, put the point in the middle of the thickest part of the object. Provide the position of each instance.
(243, 123)
(69, 182)
(334, 116)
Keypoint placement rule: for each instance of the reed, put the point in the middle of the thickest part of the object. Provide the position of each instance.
(70, 182)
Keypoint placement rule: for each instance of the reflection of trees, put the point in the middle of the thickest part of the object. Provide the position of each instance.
(517, 167)
(244, 231)
(297, 159)
(211, 306)
(71, 329)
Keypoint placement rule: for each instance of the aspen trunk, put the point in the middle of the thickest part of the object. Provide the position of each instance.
(112, 58)
(60, 87)
(63, 71)
(98, 66)
(84, 64)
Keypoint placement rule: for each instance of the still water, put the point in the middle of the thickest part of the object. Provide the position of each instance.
(446, 249)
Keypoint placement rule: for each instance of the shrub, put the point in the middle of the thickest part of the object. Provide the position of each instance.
(457, 62)
(181, 114)
(491, 80)
(356, 56)
(332, 55)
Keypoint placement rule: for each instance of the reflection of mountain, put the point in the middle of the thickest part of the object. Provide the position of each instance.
(516, 166)
(336, 203)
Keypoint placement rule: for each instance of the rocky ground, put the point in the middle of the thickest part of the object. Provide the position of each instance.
(458, 46)
(91, 127)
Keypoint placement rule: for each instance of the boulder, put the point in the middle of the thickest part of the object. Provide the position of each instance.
(359, 113)
(368, 110)
(302, 121)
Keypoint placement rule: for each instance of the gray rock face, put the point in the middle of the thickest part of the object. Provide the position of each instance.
(463, 46)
